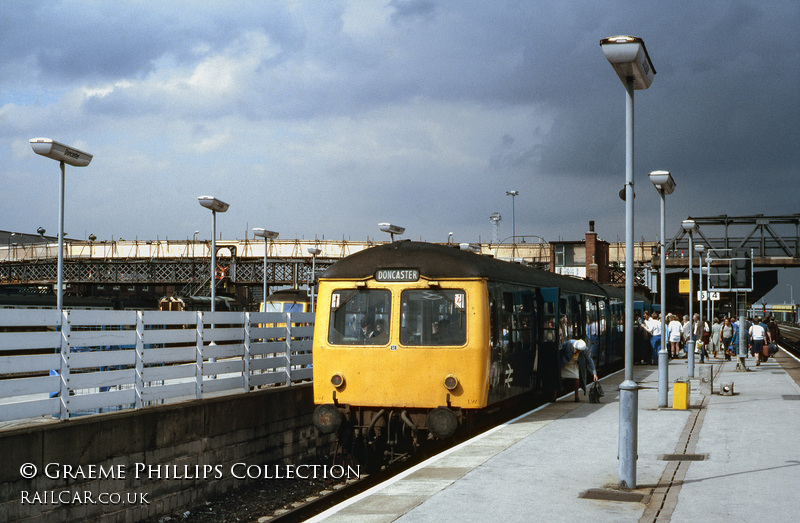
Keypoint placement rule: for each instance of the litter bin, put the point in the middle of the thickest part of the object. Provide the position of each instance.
(681, 391)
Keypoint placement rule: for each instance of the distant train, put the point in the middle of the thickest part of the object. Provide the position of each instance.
(287, 300)
(414, 338)
(198, 303)
(14, 298)
(786, 312)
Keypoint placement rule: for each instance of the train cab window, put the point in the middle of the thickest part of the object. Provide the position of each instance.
(433, 317)
(281, 306)
(360, 317)
(292, 307)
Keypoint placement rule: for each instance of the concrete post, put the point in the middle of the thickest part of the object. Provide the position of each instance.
(628, 390)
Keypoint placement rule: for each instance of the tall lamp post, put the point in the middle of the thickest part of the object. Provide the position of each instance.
(314, 251)
(690, 226)
(701, 324)
(63, 154)
(664, 184)
(513, 195)
(629, 58)
(209, 202)
(267, 235)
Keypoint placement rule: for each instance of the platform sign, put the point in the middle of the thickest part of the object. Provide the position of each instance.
(707, 296)
(683, 286)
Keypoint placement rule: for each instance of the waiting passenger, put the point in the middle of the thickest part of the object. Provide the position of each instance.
(674, 331)
(759, 335)
(576, 365)
(726, 333)
(380, 329)
(366, 329)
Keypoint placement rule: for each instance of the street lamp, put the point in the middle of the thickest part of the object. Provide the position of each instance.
(209, 202)
(63, 154)
(391, 229)
(690, 226)
(700, 325)
(513, 195)
(495, 218)
(313, 251)
(267, 235)
(628, 56)
(194, 239)
(664, 184)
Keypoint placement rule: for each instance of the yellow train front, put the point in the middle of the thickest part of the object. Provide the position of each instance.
(411, 337)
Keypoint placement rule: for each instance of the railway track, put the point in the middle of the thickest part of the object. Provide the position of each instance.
(318, 504)
(790, 338)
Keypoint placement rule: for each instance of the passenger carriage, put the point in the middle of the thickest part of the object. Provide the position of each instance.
(414, 337)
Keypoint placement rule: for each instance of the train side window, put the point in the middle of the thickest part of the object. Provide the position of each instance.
(433, 317)
(518, 325)
(592, 327)
(549, 322)
(359, 317)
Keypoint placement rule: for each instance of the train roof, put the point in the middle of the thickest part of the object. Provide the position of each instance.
(436, 261)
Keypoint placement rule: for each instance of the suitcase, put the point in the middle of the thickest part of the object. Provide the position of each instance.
(772, 348)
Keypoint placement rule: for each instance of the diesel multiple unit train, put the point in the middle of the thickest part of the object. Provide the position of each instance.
(415, 339)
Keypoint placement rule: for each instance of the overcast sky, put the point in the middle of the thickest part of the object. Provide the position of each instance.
(323, 118)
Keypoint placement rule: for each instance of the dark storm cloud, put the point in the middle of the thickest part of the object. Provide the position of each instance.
(436, 107)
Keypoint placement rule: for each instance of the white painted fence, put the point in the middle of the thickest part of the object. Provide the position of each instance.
(90, 361)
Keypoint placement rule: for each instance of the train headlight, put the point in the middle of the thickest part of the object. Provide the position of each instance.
(450, 382)
(337, 380)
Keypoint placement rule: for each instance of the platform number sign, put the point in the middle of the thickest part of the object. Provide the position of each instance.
(707, 296)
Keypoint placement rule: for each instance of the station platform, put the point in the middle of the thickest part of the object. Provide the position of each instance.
(725, 458)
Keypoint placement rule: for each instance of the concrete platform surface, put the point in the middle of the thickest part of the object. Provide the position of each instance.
(727, 458)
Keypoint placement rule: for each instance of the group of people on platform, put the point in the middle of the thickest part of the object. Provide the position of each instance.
(721, 338)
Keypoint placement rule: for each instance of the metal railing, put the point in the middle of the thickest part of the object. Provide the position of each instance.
(91, 361)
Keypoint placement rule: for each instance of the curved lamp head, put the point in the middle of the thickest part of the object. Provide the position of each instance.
(263, 233)
(391, 229)
(209, 202)
(628, 56)
(663, 181)
(59, 152)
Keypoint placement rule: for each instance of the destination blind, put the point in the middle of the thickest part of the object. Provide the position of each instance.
(396, 275)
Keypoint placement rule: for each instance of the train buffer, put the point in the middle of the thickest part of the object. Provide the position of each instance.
(728, 457)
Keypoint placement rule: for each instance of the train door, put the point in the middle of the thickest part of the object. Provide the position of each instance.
(595, 330)
(549, 340)
(514, 332)
(616, 349)
(602, 330)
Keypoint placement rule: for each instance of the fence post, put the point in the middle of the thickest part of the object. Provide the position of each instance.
(198, 393)
(288, 348)
(64, 370)
(246, 370)
(138, 383)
